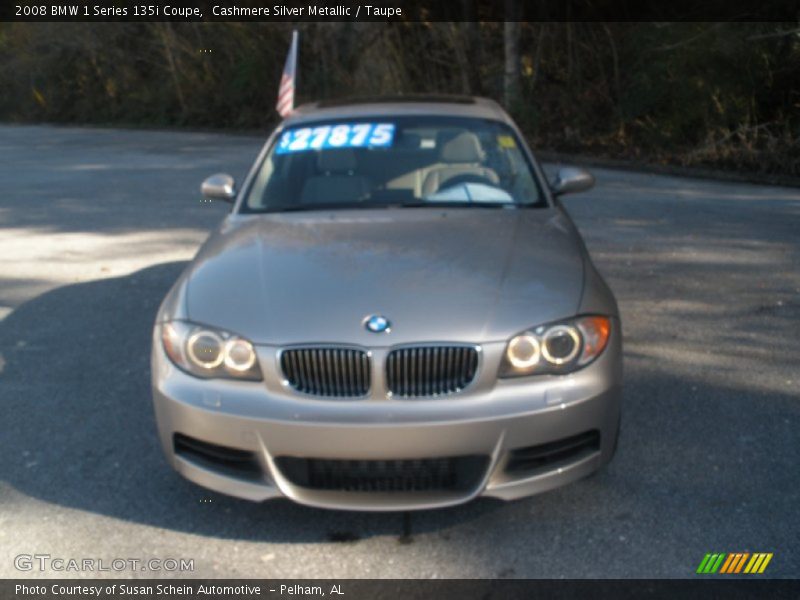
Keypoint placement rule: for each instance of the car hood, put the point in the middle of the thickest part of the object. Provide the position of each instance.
(461, 275)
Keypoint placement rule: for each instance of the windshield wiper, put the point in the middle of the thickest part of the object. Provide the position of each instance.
(322, 206)
(456, 204)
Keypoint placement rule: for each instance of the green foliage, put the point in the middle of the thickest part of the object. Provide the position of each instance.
(721, 94)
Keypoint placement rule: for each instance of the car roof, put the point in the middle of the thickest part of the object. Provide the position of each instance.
(359, 108)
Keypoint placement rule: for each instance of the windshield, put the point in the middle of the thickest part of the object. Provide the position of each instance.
(391, 161)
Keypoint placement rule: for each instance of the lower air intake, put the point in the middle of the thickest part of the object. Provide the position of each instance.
(553, 454)
(456, 474)
(227, 461)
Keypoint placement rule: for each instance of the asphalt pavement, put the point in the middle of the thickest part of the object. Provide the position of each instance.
(96, 224)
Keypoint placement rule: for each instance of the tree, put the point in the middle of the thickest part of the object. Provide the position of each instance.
(511, 31)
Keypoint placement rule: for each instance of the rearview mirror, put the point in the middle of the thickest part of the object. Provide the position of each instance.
(219, 187)
(570, 180)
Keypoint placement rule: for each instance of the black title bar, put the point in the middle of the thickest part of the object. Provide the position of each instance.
(397, 10)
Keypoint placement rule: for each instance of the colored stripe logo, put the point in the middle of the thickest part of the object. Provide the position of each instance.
(734, 562)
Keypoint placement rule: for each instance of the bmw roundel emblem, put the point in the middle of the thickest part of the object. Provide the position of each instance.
(378, 324)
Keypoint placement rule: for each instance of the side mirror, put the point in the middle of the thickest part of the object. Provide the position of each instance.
(570, 180)
(219, 187)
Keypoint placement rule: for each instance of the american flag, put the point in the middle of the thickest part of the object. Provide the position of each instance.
(285, 104)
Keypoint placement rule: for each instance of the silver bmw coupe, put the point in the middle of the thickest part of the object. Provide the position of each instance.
(397, 314)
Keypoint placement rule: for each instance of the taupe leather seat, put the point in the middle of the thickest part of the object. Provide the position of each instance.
(337, 181)
(460, 155)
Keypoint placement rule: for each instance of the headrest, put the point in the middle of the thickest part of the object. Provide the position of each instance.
(410, 141)
(464, 148)
(339, 160)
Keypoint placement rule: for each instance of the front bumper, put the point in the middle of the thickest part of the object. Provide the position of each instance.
(494, 418)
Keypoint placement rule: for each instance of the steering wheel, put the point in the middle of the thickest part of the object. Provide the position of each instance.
(466, 178)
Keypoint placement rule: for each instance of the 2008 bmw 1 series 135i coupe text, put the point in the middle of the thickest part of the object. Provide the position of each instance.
(397, 314)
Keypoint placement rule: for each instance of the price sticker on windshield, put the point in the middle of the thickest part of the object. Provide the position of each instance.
(340, 135)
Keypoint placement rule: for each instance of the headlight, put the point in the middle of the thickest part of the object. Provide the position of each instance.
(209, 353)
(557, 348)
